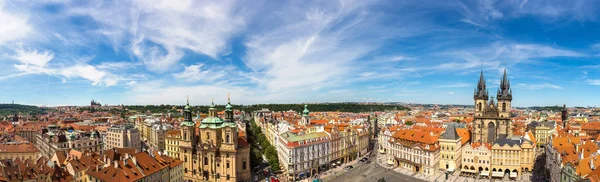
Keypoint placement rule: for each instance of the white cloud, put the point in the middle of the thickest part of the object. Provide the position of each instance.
(596, 47)
(32, 61)
(37, 62)
(538, 86)
(593, 81)
(117, 65)
(450, 93)
(306, 51)
(89, 72)
(33, 57)
(13, 27)
(159, 32)
(454, 85)
(200, 72)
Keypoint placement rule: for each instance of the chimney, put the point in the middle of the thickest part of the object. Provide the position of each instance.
(592, 163)
(134, 160)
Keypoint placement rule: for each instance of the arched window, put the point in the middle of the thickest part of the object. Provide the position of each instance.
(227, 165)
(479, 106)
(205, 160)
(244, 165)
(184, 135)
(504, 107)
(207, 136)
(227, 139)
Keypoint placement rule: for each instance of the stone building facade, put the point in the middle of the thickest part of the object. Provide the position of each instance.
(213, 151)
(491, 119)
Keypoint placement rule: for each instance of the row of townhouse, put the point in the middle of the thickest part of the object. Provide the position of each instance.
(429, 153)
(310, 146)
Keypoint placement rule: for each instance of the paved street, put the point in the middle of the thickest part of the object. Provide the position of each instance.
(372, 173)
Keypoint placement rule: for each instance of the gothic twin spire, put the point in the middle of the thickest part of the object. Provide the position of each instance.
(504, 91)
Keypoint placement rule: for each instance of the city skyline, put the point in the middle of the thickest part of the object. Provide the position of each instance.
(134, 53)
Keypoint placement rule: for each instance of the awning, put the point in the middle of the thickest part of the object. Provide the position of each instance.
(484, 173)
(382, 151)
(450, 170)
(497, 174)
(513, 174)
(339, 162)
(468, 171)
(390, 162)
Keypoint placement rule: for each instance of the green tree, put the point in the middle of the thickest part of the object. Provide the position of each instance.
(408, 123)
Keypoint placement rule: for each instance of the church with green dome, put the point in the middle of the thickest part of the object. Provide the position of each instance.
(212, 150)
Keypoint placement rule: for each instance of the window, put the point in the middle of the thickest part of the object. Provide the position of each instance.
(205, 160)
(244, 165)
(479, 106)
(227, 165)
(207, 136)
(227, 139)
(504, 107)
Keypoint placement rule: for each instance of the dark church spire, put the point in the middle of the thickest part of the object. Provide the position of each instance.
(481, 90)
(504, 92)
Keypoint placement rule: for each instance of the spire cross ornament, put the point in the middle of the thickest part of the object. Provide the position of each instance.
(187, 99)
(228, 98)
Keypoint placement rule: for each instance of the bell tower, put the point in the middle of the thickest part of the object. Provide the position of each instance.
(480, 96)
(504, 97)
(187, 143)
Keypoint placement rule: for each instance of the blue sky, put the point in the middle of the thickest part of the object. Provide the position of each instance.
(159, 52)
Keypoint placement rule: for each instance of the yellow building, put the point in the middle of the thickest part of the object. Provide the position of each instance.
(13, 147)
(542, 131)
(511, 156)
(216, 153)
(172, 139)
(451, 143)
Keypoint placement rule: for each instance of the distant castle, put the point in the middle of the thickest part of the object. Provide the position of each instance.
(95, 103)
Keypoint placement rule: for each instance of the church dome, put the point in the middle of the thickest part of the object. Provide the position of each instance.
(212, 120)
(305, 109)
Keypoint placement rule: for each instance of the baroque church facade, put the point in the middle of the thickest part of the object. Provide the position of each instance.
(492, 115)
(212, 150)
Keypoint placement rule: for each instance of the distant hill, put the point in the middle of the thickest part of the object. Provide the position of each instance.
(9, 109)
(546, 108)
(343, 107)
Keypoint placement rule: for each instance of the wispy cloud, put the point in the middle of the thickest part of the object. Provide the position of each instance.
(453, 85)
(14, 25)
(593, 81)
(199, 72)
(538, 86)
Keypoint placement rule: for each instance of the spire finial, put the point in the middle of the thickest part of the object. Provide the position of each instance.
(213, 101)
(187, 99)
(228, 98)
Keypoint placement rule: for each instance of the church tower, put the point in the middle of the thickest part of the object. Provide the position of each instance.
(305, 117)
(187, 143)
(230, 134)
(480, 96)
(504, 97)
